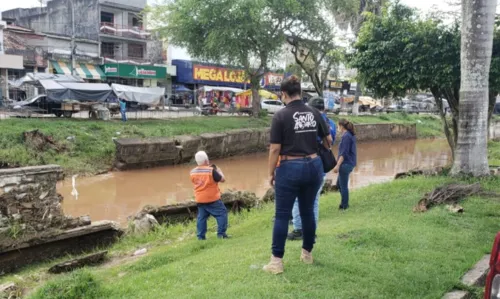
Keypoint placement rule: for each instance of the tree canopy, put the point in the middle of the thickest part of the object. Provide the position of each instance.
(397, 52)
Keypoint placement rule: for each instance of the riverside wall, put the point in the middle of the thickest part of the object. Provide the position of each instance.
(151, 152)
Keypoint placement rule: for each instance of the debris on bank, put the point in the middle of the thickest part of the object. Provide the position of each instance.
(40, 142)
(89, 260)
(234, 201)
(415, 172)
(450, 194)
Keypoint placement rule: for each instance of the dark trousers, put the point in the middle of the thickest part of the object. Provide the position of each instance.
(216, 209)
(301, 179)
(343, 183)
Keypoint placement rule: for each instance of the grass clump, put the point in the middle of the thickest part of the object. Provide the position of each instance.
(78, 285)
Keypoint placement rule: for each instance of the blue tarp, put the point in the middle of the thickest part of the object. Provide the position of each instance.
(182, 89)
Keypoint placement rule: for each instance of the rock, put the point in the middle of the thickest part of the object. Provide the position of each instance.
(44, 194)
(73, 264)
(455, 208)
(143, 223)
(269, 196)
(16, 216)
(140, 252)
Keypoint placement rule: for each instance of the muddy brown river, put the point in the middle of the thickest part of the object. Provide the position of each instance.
(117, 195)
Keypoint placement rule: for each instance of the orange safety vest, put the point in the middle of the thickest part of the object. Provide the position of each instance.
(206, 189)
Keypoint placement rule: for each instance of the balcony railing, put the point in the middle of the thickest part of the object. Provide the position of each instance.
(136, 32)
(127, 60)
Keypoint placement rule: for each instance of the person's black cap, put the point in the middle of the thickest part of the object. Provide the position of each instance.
(317, 102)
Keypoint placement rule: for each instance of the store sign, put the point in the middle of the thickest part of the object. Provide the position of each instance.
(336, 84)
(218, 74)
(134, 71)
(273, 79)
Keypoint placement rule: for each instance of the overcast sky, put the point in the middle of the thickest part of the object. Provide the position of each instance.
(424, 5)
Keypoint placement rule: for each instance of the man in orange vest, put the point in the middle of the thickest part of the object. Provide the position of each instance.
(206, 179)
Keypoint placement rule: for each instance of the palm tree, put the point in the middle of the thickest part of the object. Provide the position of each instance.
(471, 152)
(352, 13)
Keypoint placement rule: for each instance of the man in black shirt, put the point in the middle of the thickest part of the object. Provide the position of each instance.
(294, 146)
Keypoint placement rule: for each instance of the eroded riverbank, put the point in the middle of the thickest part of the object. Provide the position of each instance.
(115, 196)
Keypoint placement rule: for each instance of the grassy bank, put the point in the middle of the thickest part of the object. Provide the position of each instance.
(90, 149)
(377, 249)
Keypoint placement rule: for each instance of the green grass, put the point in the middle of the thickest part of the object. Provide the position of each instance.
(93, 150)
(494, 153)
(377, 249)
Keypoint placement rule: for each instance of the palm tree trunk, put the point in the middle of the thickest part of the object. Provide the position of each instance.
(471, 153)
(355, 105)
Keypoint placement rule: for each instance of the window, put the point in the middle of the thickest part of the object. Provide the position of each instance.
(107, 17)
(108, 50)
(135, 51)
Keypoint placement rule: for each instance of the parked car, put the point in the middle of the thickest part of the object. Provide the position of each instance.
(394, 108)
(39, 104)
(272, 106)
(496, 109)
(411, 109)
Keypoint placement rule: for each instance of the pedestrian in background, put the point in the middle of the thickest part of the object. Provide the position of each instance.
(296, 234)
(346, 160)
(294, 130)
(123, 109)
(206, 179)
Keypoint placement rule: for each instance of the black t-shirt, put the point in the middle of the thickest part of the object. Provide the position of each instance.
(296, 127)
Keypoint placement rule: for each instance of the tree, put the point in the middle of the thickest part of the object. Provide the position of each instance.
(247, 33)
(316, 58)
(312, 42)
(397, 52)
(471, 153)
(353, 13)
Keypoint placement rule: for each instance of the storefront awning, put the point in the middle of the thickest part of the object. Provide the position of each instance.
(86, 71)
(89, 71)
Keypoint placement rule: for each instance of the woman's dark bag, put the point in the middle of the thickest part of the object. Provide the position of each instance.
(326, 155)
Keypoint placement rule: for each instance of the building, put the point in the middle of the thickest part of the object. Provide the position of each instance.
(7, 62)
(110, 42)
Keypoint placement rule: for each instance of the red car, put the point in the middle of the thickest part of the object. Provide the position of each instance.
(492, 290)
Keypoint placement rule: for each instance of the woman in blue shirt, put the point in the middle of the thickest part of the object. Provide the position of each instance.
(346, 160)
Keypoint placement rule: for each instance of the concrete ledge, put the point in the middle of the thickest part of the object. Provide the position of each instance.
(457, 295)
(477, 275)
(58, 244)
(151, 152)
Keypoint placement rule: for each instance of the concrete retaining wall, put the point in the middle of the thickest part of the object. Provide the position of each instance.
(143, 153)
(28, 198)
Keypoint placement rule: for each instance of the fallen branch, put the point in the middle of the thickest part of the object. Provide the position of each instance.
(449, 194)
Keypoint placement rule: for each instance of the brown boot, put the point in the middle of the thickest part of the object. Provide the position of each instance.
(275, 266)
(306, 257)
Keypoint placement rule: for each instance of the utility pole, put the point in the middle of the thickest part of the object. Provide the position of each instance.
(72, 37)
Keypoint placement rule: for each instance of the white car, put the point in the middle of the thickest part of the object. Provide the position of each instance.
(272, 106)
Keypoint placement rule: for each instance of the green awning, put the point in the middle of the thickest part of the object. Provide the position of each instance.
(89, 71)
(60, 68)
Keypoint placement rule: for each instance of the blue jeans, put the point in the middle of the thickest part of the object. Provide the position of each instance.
(216, 209)
(124, 115)
(297, 222)
(299, 178)
(343, 183)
